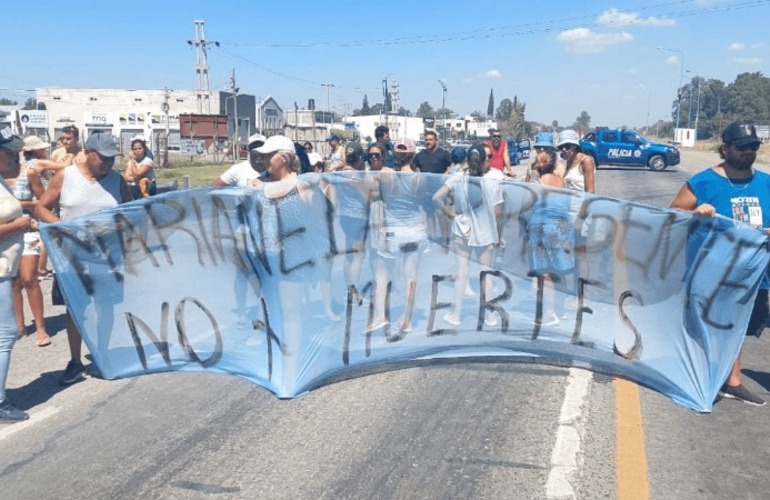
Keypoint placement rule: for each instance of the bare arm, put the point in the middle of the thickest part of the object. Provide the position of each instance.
(589, 171)
(686, 200)
(49, 199)
(17, 225)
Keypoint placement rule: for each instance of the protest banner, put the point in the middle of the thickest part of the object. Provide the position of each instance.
(282, 286)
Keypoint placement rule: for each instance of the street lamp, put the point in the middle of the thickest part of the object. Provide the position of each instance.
(647, 127)
(697, 106)
(443, 109)
(678, 96)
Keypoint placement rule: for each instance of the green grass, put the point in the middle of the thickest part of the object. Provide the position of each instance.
(200, 173)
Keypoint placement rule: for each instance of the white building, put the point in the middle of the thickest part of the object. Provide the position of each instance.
(400, 126)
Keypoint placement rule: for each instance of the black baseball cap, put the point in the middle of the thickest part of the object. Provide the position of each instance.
(8, 140)
(740, 134)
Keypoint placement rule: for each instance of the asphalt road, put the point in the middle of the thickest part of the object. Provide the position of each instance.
(473, 430)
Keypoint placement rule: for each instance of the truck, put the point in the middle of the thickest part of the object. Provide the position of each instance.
(628, 148)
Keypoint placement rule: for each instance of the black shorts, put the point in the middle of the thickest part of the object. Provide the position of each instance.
(57, 298)
(759, 315)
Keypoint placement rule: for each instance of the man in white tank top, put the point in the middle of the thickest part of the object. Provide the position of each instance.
(88, 185)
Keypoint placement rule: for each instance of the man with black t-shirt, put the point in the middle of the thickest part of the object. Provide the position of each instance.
(432, 159)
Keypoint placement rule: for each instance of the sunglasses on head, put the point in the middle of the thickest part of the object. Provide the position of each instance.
(754, 146)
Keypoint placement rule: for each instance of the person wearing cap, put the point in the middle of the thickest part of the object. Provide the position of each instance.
(139, 172)
(432, 159)
(459, 161)
(13, 225)
(543, 142)
(734, 189)
(402, 237)
(403, 154)
(26, 184)
(336, 153)
(243, 173)
(580, 168)
(82, 188)
(499, 158)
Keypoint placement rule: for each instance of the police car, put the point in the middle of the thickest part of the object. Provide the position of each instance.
(626, 147)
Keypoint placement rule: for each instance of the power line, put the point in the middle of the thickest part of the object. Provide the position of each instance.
(504, 32)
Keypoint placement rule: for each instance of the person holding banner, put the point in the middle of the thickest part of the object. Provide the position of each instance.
(13, 225)
(402, 238)
(477, 224)
(82, 188)
(551, 237)
(734, 189)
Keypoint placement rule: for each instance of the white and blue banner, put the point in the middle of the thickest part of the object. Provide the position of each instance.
(296, 287)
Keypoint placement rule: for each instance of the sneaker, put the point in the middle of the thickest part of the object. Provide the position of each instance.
(9, 413)
(490, 320)
(75, 372)
(452, 319)
(741, 394)
(551, 320)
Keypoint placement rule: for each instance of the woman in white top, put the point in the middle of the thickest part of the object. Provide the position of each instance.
(476, 214)
(580, 170)
(139, 173)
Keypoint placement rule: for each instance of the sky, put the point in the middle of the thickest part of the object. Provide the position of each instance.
(619, 61)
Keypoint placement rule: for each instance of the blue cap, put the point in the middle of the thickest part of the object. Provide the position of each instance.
(544, 139)
(334, 138)
(459, 155)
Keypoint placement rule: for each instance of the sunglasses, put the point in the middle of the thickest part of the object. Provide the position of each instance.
(496, 136)
(566, 147)
(754, 146)
(375, 155)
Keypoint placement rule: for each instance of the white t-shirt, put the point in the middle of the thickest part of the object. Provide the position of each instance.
(495, 174)
(241, 175)
(475, 201)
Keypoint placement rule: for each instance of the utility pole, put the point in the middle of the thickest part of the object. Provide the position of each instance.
(165, 108)
(202, 66)
(385, 103)
(236, 139)
(443, 110)
(328, 87)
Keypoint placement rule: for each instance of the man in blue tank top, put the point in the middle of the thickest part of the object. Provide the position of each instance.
(735, 190)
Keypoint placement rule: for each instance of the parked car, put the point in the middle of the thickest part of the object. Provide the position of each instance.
(626, 147)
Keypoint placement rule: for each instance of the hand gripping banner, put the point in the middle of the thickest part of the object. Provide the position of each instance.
(330, 276)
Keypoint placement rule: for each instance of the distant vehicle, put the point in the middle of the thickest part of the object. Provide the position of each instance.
(518, 150)
(420, 145)
(524, 149)
(461, 144)
(626, 147)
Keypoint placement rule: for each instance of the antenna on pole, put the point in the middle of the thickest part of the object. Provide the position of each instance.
(202, 92)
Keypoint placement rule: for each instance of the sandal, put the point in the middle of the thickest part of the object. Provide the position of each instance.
(44, 342)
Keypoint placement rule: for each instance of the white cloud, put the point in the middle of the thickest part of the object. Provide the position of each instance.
(737, 46)
(632, 71)
(493, 73)
(583, 40)
(615, 17)
(673, 60)
(747, 61)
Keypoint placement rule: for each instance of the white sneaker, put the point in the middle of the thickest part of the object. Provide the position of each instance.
(452, 319)
(490, 320)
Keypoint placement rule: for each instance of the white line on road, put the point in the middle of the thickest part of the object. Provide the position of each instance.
(33, 419)
(564, 459)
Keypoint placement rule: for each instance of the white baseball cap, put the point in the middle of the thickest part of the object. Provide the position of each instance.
(276, 143)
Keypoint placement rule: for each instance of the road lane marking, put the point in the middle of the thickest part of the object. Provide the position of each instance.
(630, 457)
(34, 418)
(564, 458)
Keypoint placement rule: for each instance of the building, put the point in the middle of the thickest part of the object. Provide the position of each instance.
(269, 119)
(149, 113)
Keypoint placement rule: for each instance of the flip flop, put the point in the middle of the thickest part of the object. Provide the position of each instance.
(44, 342)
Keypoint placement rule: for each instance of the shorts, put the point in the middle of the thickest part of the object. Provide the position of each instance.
(32, 244)
(402, 240)
(760, 313)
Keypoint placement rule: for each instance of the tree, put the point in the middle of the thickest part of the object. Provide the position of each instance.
(491, 105)
(30, 103)
(510, 118)
(582, 122)
(479, 116)
(402, 111)
(365, 109)
(425, 111)
(7, 102)
(377, 109)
